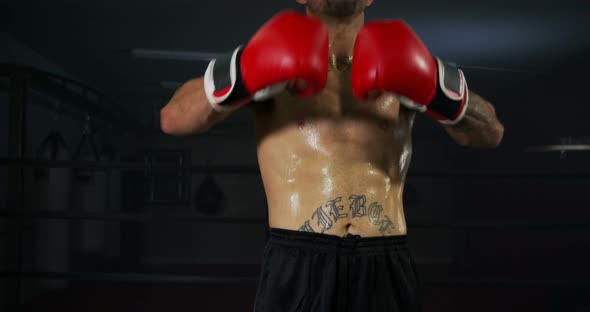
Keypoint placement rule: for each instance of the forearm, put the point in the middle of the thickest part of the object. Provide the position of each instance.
(479, 127)
(189, 112)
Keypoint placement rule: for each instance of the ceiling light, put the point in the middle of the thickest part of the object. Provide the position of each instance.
(174, 55)
(559, 148)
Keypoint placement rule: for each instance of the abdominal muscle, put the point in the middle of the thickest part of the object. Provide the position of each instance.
(336, 176)
(360, 201)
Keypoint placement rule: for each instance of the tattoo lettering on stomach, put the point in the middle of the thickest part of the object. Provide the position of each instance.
(333, 211)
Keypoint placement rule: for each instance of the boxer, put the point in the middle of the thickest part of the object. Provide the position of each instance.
(334, 100)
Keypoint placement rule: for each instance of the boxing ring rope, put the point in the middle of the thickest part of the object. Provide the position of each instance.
(194, 218)
(209, 280)
(254, 170)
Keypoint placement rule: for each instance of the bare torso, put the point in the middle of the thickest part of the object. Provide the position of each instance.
(332, 164)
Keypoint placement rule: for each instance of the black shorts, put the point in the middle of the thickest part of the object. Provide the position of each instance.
(316, 272)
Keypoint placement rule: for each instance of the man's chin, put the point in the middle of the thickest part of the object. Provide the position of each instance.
(342, 8)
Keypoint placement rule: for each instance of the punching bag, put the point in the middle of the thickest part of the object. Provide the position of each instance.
(53, 189)
(112, 251)
(209, 197)
(88, 197)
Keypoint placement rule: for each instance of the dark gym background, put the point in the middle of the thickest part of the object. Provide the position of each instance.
(99, 211)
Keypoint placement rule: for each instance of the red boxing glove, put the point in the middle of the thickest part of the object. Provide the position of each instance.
(390, 57)
(290, 49)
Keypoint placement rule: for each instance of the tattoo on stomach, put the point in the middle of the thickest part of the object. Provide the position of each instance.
(328, 214)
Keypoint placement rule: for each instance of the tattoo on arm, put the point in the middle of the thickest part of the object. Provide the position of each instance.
(479, 127)
(332, 211)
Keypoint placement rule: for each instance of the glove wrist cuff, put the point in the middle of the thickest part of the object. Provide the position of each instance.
(224, 86)
(452, 95)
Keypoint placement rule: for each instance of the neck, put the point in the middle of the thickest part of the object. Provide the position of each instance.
(342, 32)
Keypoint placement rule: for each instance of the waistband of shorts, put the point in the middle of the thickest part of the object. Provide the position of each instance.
(326, 242)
